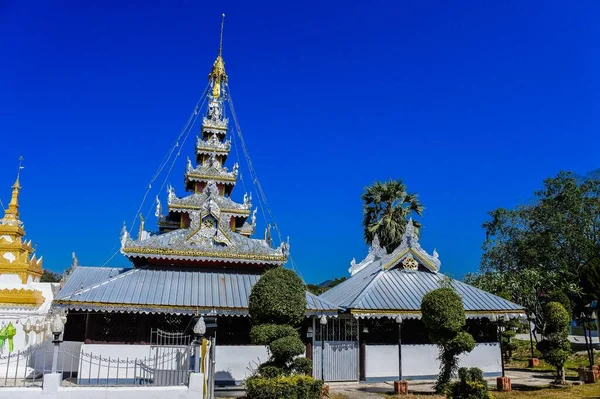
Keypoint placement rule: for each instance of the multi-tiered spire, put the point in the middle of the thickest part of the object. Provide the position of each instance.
(17, 255)
(207, 225)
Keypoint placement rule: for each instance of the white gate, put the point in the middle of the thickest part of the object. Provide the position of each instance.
(336, 358)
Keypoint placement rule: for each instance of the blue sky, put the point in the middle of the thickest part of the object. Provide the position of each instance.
(471, 103)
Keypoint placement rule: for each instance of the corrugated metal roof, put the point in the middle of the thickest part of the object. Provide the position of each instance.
(397, 289)
(161, 291)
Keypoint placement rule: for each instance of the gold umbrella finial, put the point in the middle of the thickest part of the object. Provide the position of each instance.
(217, 76)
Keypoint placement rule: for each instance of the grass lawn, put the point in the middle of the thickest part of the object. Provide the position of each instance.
(521, 355)
(574, 391)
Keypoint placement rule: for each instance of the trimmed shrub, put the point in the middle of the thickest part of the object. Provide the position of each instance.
(292, 387)
(555, 346)
(286, 348)
(471, 385)
(278, 298)
(264, 334)
(444, 317)
(302, 365)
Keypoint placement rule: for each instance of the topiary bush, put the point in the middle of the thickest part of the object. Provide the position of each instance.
(277, 307)
(289, 387)
(471, 385)
(278, 298)
(444, 317)
(555, 346)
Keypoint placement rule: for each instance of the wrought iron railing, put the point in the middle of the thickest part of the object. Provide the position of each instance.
(25, 368)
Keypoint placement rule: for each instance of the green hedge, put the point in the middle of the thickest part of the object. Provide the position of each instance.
(286, 348)
(279, 297)
(264, 334)
(293, 387)
(471, 385)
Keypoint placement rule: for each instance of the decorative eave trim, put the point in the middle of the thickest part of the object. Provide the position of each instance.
(245, 212)
(170, 309)
(209, 127)
(416, 314)
(151, 308)
(21, 297)
(207, 254)
(199, 177)
(210, 150)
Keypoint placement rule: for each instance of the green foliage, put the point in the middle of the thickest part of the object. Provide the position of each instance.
(551, 244)
(563, 299)
(278, 298)
(387, 208)
(277, 307)
(443, 313)
(50, 277)
(471, 385)
(291, 387)
(444, 317)
(269, 370)
(264, 334)
(508, 346)
(318, 289)
(285, 349)
(555, 346)
(302, 365)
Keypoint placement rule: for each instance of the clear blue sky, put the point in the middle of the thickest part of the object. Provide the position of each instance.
(471, 103)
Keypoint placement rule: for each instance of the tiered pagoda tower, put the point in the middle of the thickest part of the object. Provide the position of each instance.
(206, 226)
(17, 257)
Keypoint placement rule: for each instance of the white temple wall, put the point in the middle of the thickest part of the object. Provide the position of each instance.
(421, 361)
(235, 363)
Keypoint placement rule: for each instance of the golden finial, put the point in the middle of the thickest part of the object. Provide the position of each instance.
(217, 76)
(13, 207)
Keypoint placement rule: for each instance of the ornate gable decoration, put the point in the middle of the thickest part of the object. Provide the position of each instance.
(376, 252)
(410, 252)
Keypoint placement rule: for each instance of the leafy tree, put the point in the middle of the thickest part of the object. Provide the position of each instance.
(318, 289)
(50, 277)
(387, 208)
(277, 307)
(551, 244)
(555, 346)
(444, 317)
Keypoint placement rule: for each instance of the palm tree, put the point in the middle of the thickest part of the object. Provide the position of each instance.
(387, 208)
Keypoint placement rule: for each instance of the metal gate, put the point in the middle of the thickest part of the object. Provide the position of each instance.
(336, 357)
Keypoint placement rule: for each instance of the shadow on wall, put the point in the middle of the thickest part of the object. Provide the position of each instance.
(224, 378)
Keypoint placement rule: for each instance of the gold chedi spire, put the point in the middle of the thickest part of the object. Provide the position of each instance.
(217, 76)
(12, 213)
(17, 255)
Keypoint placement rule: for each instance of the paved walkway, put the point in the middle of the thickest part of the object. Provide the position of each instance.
(354, 390)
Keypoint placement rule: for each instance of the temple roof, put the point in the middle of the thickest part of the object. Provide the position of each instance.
(195, 201)
(211, 172)
(178, 291)
(187, 244)
(391, 284)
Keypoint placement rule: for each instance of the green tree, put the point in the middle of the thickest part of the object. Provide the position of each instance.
(277, 307)
(551, 244)
(444, 317)
(50, 277)
(387, 208)
(555, 346)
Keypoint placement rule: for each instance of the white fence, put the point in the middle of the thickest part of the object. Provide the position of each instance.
(421, 361)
